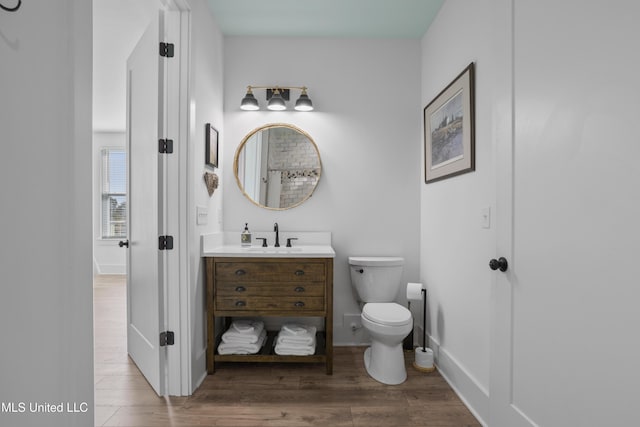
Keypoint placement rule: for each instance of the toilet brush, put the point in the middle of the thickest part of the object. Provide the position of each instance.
(424, 355)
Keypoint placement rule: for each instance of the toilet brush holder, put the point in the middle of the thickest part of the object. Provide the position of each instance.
(424, 360)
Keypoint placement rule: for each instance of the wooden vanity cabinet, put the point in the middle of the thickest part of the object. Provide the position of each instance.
(269, 287)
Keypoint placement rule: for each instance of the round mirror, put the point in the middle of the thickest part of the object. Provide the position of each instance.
(277, 166)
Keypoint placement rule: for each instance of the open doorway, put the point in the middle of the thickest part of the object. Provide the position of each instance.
(118, 25)
(125, 136)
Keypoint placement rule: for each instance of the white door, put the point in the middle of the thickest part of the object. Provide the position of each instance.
(145, 307)
(565, 313)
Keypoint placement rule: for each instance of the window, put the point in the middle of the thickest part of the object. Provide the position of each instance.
(114, 193)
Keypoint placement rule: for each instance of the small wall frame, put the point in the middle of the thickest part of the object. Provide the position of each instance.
(211, 146)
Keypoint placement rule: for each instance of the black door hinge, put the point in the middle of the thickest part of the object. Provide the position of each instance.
(166, 338)
(166, 49)
(165, 242)
(165, 146)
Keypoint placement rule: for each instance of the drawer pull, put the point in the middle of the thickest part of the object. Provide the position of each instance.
(240, 272)
(299, 273)
(298, 304)
(240, 304)
(299, 289)
(240, 289)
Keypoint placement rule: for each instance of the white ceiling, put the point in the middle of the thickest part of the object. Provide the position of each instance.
(326, 18)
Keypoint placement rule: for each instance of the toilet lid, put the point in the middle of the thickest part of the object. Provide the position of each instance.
(386, 313)
(376, 261)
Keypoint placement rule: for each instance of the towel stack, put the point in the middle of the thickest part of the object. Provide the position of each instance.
(296, 340)
(243, 337)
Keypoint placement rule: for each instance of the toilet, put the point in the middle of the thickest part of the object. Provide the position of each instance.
(377, 281)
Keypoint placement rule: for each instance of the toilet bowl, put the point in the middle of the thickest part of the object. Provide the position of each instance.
(377, 282)
(387, 324)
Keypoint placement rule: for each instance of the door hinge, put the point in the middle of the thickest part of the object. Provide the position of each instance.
(166, 338)
(165, 146)
(165, 242)
(166, 49)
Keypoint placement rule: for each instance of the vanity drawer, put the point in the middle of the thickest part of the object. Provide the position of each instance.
(259, 303)
(270, 272)
(247, 289)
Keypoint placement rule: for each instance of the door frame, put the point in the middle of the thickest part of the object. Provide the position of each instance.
(501, 292)
(177, 212)
(502, 409)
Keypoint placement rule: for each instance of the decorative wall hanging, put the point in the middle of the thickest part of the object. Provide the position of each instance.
(211, 146)
(449, 130)
(211, 180)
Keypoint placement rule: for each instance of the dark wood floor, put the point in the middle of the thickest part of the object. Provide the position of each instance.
(252, 395)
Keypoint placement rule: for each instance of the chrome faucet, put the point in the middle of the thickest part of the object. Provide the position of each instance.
(275, 228)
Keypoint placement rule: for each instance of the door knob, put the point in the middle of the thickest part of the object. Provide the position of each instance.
(500, 263)
(122, 243)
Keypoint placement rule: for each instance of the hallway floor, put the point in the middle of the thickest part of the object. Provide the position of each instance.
(252, 395)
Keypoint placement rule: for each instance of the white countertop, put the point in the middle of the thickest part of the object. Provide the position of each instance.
(308, 245)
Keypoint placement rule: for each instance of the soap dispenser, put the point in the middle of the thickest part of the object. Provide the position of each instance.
(245, 236)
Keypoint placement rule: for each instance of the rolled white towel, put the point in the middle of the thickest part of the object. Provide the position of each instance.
(250, 337)
(243, 348)
(297, 335)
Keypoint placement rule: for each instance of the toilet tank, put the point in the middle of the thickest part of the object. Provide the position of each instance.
(376, 279)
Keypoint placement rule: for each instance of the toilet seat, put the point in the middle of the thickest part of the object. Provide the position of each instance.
(386, 313)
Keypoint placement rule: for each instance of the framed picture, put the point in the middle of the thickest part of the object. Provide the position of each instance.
(449, 130)
(211, 146)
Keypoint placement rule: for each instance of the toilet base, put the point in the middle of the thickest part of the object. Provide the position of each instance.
(385, 364)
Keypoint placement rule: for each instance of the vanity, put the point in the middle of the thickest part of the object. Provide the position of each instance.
(271, 283)
(277, 166)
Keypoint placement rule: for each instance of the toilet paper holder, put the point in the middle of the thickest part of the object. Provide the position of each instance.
(426, 357)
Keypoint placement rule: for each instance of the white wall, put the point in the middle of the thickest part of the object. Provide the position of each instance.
(368, 195)
(205, 106)
(117, 27)
(454, 248)
(45, 171)
(108, 257)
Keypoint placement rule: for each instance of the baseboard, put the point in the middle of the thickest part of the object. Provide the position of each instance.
(345, 337)
(199, 382)
(110, 268)
(199, 366)
(351, 344)
(473, 395)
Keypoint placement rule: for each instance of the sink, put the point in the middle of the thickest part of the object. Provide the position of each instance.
(272, 250)
(310, 244)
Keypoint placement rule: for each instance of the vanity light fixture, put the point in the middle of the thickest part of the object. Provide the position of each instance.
(276, 97)
(276, 102)
(249, 102)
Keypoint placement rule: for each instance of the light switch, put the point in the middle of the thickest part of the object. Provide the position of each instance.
(485, 217)
(202, 215)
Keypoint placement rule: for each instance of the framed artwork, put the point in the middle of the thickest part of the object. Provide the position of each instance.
(449, 130)
(211, 146)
